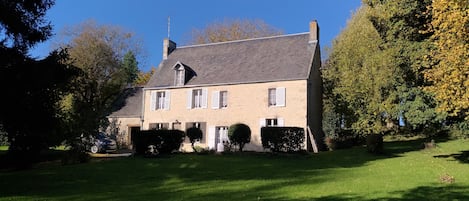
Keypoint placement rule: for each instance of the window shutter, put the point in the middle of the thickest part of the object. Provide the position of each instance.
(262, 122)
(280, 96)
(189, 99)
(167, 99)
(216, 100)
(204, 98)
(211, 138)
(153, 100)
(280, 122)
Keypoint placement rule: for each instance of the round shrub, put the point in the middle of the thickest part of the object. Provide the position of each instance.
(374, 143)
(194, 134)
(239, 134)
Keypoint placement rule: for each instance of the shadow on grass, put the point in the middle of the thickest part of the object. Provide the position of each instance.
(462, 156)
(447, 192)
(245, 176)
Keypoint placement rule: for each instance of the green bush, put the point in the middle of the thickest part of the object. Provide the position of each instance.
(343, 139)
(374, 143)
(239, 134)
(282, 139)
(194, 134)
(165, 141)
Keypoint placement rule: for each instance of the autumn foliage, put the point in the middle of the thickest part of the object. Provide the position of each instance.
(449, 74)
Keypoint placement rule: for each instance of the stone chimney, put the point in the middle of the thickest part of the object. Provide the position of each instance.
(168, 47)
(313, 32)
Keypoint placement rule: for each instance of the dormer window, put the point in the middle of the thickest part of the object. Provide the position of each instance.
(180, 77)
(182, 74)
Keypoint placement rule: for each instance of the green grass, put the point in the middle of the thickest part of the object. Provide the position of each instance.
(404, 173)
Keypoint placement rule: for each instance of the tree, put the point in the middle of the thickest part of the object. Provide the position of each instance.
(23, 23)
(130, 67)
(194, 134)
(362, 81)
(232, 29)
(373, 77)
(449, 68)
(107, 56)
(31, 89)
(239, 134)
(144, 77)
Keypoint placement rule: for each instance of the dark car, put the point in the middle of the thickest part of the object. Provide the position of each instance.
(103, 143)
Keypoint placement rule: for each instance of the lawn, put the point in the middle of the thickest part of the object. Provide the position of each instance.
(404, 173)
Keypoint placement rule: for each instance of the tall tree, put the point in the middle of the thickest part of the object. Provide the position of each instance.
(374, 74)
(107, 56)
(232, 29)
(401, 24)
(362, 81)
(449, 74)
(23, 23)
(31, 89)
(130, 67)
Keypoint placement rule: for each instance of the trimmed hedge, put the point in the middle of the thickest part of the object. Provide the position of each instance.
(194, 134)
(165, 141)
(239, 134)
(282, 139)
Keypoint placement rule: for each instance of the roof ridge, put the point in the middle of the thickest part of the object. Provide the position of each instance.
(242, 40)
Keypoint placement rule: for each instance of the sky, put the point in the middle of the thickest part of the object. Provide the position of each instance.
(148, 19)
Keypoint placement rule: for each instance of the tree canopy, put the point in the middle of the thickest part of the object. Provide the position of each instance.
(23, 23)
(30, 113)
(449, 68)
(107, 55)
(373, 77)
(232, 29)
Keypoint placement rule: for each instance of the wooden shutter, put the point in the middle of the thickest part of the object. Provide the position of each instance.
(262, 122)
(211, 137)
(204, 98)
(280, 122)
(189, 99)
(215, 99)
(167, 99)
(153, 100)
(280, 96)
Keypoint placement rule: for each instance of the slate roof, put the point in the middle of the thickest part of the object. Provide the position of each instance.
(287, 57)
(128, 104)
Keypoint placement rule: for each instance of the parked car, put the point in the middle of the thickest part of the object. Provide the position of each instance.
(103, 143)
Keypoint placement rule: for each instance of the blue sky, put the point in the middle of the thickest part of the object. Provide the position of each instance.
(148, 18)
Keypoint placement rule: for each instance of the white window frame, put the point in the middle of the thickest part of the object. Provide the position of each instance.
(160, 100)
(219, 99)
(180, 77)
(197, 98)
(276, 97)
(272, 122)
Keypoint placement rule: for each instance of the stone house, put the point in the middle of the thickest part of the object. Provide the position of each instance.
(271, 81)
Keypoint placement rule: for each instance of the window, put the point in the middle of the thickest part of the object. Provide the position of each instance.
(160, 100)
(271, 122)
(197, 98)
(223, 99)
(219, 99)
(276, 96)
(180, 78)
(159, 126)
(272, 97)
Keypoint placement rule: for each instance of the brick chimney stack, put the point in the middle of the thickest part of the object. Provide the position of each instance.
(168, 47)
(313, 32)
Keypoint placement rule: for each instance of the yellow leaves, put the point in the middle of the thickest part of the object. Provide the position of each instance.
(451, 73)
